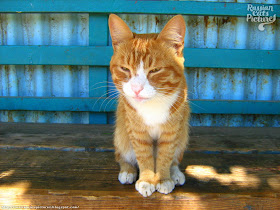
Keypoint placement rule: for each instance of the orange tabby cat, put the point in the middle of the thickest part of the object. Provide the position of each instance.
(153, 113)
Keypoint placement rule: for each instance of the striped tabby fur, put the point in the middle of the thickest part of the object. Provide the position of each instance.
(152, 116)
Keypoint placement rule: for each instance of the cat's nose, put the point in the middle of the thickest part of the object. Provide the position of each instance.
(136, 88)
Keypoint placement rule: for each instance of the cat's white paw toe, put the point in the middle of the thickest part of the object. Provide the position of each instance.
(145, 188)
(165, 187)
(127, 178)
(177, 176)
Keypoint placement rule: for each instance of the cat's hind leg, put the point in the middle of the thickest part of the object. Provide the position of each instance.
(128, 171)
(125, 156)
(177, 176)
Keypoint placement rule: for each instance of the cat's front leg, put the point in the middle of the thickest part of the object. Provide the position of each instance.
(166, 148)
(143, 149)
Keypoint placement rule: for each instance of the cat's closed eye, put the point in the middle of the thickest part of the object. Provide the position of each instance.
(155, 70)
(125, 69)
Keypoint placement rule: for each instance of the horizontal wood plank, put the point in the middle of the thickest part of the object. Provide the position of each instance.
(80, 138)
(109, 105)
(101, 56)
(136, 7)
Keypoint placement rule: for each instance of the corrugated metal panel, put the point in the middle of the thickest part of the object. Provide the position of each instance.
(49, 81)
(204, 83)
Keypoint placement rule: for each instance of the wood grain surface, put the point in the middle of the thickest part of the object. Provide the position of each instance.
(88, 179)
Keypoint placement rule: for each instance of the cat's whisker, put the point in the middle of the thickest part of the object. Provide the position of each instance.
(114, 94)
(194, 94)
(103, 87)
(168, 88)
(108, 83)
(173, 105)
(98, 83)
(105, 81)
(171, 88)
(197, 105)
(177, 110)
(118, 97)
(109, 102)
(105, 94)
(192, 103)
(166, 93)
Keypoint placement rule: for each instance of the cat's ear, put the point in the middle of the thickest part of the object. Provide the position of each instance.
(119, 31)
(174, 33)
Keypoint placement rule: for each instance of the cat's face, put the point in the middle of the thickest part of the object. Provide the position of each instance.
(145, 67)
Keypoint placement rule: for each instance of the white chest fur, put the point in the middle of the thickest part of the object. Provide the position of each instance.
(155, 112)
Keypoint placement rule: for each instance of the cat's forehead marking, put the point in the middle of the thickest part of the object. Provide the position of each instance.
(140, 70)
(140, 76)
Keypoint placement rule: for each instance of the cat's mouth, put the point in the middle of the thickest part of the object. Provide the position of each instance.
(140, 99)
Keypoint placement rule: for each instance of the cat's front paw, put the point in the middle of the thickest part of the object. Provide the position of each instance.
(177, 176)
(145, 188)
(127, 178)
(165, 186)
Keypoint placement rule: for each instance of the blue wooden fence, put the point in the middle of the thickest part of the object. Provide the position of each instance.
(97, 55)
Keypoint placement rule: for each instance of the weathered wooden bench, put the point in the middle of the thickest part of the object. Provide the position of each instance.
(73, 165)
